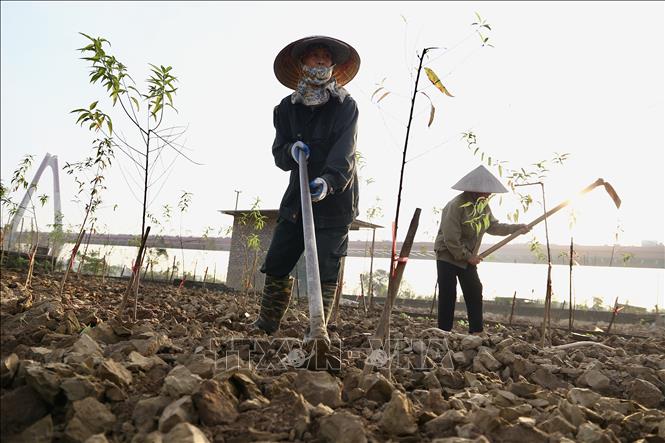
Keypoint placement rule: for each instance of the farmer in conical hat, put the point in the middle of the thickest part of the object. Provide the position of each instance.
(320, 119)
(457, 244)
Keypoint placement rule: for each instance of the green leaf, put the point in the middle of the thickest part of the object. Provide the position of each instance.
(431, 115)
(136, 102)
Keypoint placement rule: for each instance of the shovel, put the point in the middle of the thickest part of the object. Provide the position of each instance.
(316, 341)
(600, 182)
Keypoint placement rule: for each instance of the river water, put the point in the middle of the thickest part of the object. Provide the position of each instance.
(641, 287)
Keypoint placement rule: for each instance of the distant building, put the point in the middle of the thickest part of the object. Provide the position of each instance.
(243, 259)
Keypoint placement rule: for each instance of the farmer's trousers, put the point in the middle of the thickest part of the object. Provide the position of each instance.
(287, 246)
(472, 289)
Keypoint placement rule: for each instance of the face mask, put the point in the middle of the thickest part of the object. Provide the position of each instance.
(317, 75)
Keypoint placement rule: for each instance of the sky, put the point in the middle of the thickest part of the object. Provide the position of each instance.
(583, 78)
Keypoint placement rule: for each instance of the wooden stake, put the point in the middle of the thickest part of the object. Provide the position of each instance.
(615, 311)
(338, 292)
(70, 265)
(383, 329)
(431, 308)
(512, 309)
(136, 272)
(571, 306)
(370, 288)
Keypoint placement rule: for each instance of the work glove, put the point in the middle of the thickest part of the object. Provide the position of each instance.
(299, 146)
(318, 188)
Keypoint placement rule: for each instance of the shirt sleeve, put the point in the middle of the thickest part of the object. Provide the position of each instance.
(281, 147)
(497, 228)
(451, 222)
(339, 167)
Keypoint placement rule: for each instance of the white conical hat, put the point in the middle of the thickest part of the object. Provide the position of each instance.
(480, 180)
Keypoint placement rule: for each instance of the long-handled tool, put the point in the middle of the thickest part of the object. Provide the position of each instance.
(600, 182)
(316, 340)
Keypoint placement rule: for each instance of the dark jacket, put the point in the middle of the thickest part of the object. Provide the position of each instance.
(330, 132)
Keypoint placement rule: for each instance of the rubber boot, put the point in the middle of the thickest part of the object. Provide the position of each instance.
(274, 302)
(328, 294)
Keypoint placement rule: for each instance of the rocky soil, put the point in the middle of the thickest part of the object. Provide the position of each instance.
(190, 370)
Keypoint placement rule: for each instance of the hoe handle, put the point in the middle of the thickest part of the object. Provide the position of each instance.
(484, 254)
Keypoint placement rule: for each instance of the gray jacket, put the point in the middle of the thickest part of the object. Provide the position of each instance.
(457, 241)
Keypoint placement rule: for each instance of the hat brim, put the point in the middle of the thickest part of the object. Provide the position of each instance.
(287, 64)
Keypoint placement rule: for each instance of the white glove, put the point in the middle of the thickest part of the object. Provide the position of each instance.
(296, 148)
(318, 188)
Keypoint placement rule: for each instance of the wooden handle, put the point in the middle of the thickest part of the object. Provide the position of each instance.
(484, 254)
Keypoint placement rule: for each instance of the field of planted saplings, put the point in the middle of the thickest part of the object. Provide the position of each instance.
(189, 369)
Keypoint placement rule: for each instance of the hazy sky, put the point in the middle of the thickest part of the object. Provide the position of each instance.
(575, 77)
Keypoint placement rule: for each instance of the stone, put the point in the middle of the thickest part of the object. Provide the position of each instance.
(97, 438)
(78, 388)
(87, 346)
(471, 342)
(342, 427)
(377, 388)
(39, 432)
(113, 392)
(136, 361)
(185, 433)
(449, 378)
(487, 360)
(180, 381)
(557, 423)
(462, 358)
(8, 368)
(523, 431)
(45, 381)
(89, 417)
(114, 372)
(591, 433)
(147, 412)
(319, 387)
(523, 389)
(103, 333)
(215, 403)
(594, 379)
(180, 411)
(523, 367)
(398, 417)
(444, 422)
(201, 366)
(644, 393)
(21, 407)
(572, 413)
(513, 413)
(546, 379)
(584, 397)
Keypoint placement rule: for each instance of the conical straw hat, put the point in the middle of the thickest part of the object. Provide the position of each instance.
(480, 180)
(287, 63)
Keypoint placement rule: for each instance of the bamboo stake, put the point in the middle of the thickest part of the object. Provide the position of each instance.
(571, 306)
(431, 308)
(172, 271)
(615, 311)
(383, 329)
(362, 294)
(205, 275)
(338, 292)
(370, 289)
(70, 265)
(136, 271)
(512, 309)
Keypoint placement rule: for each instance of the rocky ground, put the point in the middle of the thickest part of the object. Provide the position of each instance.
(189, 370)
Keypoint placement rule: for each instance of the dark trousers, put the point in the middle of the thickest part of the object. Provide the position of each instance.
(287, 246)
(472, 289)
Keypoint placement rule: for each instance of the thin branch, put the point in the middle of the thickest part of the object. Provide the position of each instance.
(177, 150)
